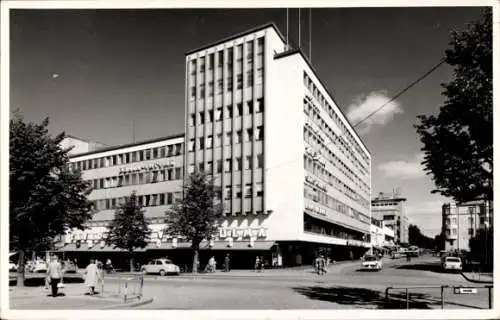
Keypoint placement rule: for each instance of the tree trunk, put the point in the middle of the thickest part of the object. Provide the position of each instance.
(131, 253)
(20, 269)
(195, 260)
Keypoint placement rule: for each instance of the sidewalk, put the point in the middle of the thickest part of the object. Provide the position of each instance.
(73, 297)
(478, 277)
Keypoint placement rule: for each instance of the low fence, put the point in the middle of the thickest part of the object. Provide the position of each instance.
(421, 297)
(130, 287)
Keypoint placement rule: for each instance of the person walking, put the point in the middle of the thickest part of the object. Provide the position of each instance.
(92, 276)
(227, 260)
(54, 274)
(257, 263)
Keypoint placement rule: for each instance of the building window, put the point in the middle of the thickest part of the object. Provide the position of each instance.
(230, 56)
(249, 78)
(239, 81)
(211, 88)
(229, 83)
(155, 153)
(260, 161)
(178, 173)
(202, 64)
(219, 166)
(218, 114)
(230, 111)
(192, 91)
(201, 166)
(454, 231)
(471, 232)
(162, 199)
(220, 58)
(260, 76)
(249, 107)
(238, 164)
(169, 198)
(260, 105)
(238, 191)
(211, 61)
(191, 168)
(228, 138)
(191, 145)
(192, 67)
(202, 143)
(238, 136)
(209, 142)
(248, 162)
(260, 133)
(260, 46)
(228, 165)
(210, 167)
(202, 90)
(248, 190)
(228, 193)
(258, 187)
(218, 140)
(249, 134)
(239, 109)
(219, 86)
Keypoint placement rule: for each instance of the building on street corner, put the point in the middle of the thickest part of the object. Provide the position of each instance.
(295, 176)
(391, 209)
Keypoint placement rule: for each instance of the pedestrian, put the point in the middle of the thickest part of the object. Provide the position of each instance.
(92, 276)
(226, 263)
(109, 265)
(257, 263)
(54, 274)
(261, 263)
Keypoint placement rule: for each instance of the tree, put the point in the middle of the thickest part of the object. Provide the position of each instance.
(46, 197)
(195, 217)
(481, 247)
(416, 238)
(458, 143)
(129, 229)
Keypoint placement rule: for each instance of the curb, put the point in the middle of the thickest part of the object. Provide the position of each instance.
(129, 305)
(475, 281)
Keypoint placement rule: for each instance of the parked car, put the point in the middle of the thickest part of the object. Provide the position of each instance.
(38, 266)
(162, 267)
(371, 263)
(12, 266)
(68, 267)
(396, 255)
(452, 264)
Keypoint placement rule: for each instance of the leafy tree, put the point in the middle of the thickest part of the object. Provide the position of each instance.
(458, 143)
(46, 198)
(195, 217)
(481, 247)
(415, 237)
(129, 229)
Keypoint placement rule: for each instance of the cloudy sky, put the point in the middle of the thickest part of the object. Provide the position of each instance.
(92, 72)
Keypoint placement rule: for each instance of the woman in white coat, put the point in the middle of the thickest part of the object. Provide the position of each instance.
(93, 276)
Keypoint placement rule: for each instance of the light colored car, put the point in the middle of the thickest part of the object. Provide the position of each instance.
(452, 264)
(161, 266)
(371, 263)
(39, 266)
(12, 267)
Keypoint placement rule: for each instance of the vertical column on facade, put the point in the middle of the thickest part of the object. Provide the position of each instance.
(186, 119)
(254, 126)
(196, 102)
(223, 127)
(233, 126)
(205, 111)
(216, 78)
(243, 123)
(265, 121)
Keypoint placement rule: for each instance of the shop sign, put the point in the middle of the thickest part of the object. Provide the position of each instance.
(242, 233)
(148, 167)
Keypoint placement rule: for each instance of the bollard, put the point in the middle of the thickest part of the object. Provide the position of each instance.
(442, 297)
(407, 300)
(490, 300)
(125, 292)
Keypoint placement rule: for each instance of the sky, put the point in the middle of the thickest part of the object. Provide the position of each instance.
(96, 72)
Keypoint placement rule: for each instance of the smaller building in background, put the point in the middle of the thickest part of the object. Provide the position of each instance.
(80, 145)
(460, 222)
(390, 208)
(382, 237)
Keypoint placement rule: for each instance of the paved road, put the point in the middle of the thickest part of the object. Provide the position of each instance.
(344, 287)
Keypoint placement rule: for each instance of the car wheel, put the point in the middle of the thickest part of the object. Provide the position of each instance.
(162, 273)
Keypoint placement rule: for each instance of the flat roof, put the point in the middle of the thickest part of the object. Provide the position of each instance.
(128, 145)
(239, 35)
(298, 50)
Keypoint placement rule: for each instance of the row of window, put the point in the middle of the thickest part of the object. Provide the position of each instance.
(313, 113)
(130, 179)
(248, 192)
(311, 139)
(470, 220)
(328, 201)
(313, 167)
(147, 200)
(229, 55)
(218, 115)
(228, 164)
(326, 106)
(328, 229)
(128, 157)
(384, 204)
(229, 84)
(249, 136)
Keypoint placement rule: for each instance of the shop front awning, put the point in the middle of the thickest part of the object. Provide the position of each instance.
(71, 247)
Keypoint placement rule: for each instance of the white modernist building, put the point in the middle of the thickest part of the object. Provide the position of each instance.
(261, 121)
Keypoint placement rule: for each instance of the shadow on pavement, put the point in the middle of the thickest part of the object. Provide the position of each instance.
(365, 297)
(40, 281)
(433, 267)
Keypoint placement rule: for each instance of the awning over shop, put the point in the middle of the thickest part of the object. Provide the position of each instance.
(217, 245)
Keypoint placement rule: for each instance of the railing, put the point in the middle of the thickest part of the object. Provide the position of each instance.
(130, 287)
(456, 289)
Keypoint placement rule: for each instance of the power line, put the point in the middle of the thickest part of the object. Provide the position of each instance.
(400, 93)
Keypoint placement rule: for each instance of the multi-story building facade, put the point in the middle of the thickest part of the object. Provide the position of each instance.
(460, 222)
(391, 209)
(261, 121)
(295, 176)
(382, 237)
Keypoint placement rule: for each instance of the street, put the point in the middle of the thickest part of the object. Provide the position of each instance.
(342, 288)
